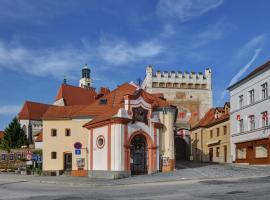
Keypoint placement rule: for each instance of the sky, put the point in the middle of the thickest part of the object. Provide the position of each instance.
(43, 41)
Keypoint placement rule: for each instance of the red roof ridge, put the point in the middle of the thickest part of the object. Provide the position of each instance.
(74, 95)
(33, 110)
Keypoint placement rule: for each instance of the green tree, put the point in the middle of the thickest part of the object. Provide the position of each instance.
(14, 136)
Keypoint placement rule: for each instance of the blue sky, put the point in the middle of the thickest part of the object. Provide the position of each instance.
(41, 41)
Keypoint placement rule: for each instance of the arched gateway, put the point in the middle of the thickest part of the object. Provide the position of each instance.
(138, 155)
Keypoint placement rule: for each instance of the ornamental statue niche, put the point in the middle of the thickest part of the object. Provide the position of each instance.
(140, 114)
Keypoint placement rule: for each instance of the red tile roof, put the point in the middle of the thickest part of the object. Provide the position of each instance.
(99, 110)
(209, 118)
(73, 95)
(33, 110)
(38, 137)
(2, 134)
(251, 74)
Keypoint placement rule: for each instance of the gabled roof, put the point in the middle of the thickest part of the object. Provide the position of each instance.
(263, 67)
(114, 99)
(108, 114)
(209, 118)
(33, 110)
(103, 108)
(73, 95)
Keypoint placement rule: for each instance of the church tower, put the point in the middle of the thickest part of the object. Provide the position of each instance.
(86, 81)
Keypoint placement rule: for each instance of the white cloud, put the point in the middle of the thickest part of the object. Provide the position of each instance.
(185, 10)
(246, 67)
(9, 109)
(211, 33)
(241, 72)
(121, 52)
(57, 62)
(254, 43)
(32, 11)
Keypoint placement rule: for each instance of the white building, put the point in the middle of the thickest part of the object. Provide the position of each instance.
(250, 106)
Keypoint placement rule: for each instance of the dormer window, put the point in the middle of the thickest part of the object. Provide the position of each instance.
(103, 101)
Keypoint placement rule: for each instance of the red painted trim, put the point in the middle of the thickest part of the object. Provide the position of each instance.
(109, 148)
(154, 150)
(126, 162)
(116, 120)
(91, 149)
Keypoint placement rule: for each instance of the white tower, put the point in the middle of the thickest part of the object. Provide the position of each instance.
(86, 81)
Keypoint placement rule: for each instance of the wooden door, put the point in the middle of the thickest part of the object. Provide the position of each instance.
(225, 153)
(211, 154)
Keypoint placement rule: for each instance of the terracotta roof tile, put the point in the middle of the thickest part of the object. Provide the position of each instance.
(103, 108)
(73, 95)
(209, 118)
(33, 110)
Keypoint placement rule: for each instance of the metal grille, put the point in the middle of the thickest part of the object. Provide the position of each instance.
(138, 154)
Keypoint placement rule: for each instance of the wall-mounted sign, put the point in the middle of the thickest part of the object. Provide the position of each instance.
(77, 152)
(238, 117)
(77, 145)
(165, 161)
(80, 162)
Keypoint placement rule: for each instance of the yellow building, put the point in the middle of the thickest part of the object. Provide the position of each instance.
(210, 137)
(126, 131)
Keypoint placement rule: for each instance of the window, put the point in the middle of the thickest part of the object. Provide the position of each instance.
(211, 133)
(53, 155)
(3, 156)
(241, 153)
(251, 96)
(264, 90)
(103, 101)
(251, 122)
(241, 101)
(224, 130)
(241, 125)
(261, 151)
(11, 156)
(53, 132)
(217, 152)
(67, 132)
(100, 141)
(264, 118)
(19, 156)
(217, 132)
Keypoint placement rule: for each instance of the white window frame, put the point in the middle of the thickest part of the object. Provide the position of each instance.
(251, 96)
(241, 101)
(252, 124)
(264, 90)
(241, 125)
(265, 121)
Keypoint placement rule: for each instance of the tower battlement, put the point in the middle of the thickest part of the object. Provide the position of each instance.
(172, 79)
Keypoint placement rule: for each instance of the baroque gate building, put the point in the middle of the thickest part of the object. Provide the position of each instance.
(191, 93)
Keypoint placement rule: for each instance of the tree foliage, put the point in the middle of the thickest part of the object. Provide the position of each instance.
(14, 136)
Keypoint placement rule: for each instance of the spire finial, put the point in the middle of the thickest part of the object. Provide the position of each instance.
(65, 80)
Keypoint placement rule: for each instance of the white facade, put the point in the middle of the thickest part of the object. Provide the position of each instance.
(247, 109)
(190, 92)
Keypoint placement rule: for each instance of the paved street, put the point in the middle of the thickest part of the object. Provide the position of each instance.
(190, 181)
(193, 189)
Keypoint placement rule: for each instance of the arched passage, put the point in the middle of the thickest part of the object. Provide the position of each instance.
(181, 149)
(141, 154)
